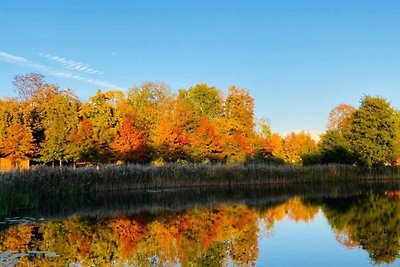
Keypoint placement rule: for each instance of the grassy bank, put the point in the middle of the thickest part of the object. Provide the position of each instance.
(28, 189)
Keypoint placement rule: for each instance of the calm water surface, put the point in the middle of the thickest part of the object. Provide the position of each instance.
(228, 227)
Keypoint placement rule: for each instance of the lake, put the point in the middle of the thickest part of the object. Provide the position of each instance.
(325, 225)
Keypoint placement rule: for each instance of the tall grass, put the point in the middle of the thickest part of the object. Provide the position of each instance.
(28, 189)
(64, 181)
(137, 176)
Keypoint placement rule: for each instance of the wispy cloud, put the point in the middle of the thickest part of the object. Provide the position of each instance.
(17, 60)
(12, 59)
(71, 64)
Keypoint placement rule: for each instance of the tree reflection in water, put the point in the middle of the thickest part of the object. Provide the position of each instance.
(219, 234)
(371, 222)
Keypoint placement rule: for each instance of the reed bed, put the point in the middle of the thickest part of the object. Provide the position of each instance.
(27, 189)
(112, 177)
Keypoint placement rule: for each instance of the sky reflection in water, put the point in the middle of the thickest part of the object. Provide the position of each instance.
(308, 244)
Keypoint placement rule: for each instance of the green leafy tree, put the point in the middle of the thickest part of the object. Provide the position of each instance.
(334, 148)
(205, 100)
(184, 115)
(61, 119)
(239, 109)
(264, 128)
(101, 111)
(373, 135)
(372, 222)
(33, 94)
(148, 103)
(102, 115)
(83, 146)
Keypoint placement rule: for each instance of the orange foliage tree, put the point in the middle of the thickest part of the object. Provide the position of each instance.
(273, 146)
(128, 232)
(167, 125)
(238, 148)
(18, 237)
(169, 141)
(339, 117)
(205, 144)
(296, 145)
(129, 144)
(19, 142)
(295, 209)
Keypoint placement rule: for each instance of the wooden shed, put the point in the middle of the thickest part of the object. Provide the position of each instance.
(7, 165)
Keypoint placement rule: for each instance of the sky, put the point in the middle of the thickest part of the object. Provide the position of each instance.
(299, 59)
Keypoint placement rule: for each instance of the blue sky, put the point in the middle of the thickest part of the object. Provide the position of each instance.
(299, 59)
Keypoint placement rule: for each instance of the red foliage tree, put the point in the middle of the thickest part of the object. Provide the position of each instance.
(129, 143)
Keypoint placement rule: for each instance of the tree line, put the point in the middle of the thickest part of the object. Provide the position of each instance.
(150, 124)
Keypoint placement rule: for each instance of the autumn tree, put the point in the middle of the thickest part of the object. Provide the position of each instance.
(294, 209)
(34, 92)
(273, 147)
(268, 145)
(237, 126)
(295, 145)
(205, 144)
(184, 115)
(18, 143)
(18, 238)
(169, 141)
(237, 148)
(33, 86)
(339, 117)
(9, 113)
(119, 102)
(148, 102)
(83, 147)
(101, 114)
(128, 232)
(239, 110)
(264, 128)
(129, 143)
